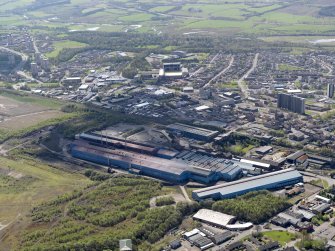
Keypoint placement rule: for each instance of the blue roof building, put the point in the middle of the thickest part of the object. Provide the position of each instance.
(269, 181)
(144, 160)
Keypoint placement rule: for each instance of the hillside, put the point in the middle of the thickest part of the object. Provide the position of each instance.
(273, 17)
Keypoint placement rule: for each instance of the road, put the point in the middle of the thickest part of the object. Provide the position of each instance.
(221, 72)
(35, 46)
(329, 180)
(196, 72)
(18, 69)
(26, 76)
(214, 58)
(241, 83)
(22, 55)
(327, 66)
(183, 190)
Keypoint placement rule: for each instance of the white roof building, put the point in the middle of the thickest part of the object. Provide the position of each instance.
(191, 233)
(142, 105)
(83, 87)
(214, 218)
(295, 91)
(202, 108)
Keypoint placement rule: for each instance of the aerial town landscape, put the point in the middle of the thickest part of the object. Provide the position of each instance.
(167, 125)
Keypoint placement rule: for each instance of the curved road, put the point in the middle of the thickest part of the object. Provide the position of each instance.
(22, 55)
(327, 66)
(18, 69)
(241, 84)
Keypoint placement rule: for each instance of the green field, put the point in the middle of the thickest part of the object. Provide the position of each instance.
(287, 67)
(272, 17)
(282, 237)
(49, 103)
(60, 45)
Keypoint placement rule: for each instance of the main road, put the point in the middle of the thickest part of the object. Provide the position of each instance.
(22, 55)
(240, 82)
(18, 68)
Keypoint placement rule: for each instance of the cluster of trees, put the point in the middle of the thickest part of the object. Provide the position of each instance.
(121, 199)
(108, 219)
(164, 201)
(142, 43)
(97, 176)
(308, 243)
(50, 211)
(145, 43)
(238, 144)
(256, 207)
(329, 192)
(98, 217)
(137, 64)
(277, 133)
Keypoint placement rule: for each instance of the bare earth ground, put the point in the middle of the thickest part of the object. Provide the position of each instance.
(10, 107)
(26, 120)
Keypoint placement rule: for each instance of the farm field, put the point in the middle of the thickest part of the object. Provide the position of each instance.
(272, 17)
(60, 45)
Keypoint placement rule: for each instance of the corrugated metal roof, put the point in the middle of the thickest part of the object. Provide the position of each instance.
(192, 129)
(213, 217)
(248, 183)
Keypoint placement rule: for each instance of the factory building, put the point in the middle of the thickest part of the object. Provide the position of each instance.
(192, 132)
(274, 180)
(229, 170)
(155, 162)
(291, 103)
(214, 218)
(124, 144)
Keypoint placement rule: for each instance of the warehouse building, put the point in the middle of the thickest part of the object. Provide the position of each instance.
(274, 180)
(146, 161)
(229, 169)
(192, 132)
(105, 140)
(214, 218)
(222, 237)
(202, 242)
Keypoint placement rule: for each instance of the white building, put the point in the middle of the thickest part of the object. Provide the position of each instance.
(214, 218)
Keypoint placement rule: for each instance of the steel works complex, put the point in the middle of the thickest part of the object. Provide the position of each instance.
(179, 167)
(159, 163)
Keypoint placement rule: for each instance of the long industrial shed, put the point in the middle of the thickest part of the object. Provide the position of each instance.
(269, 181)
